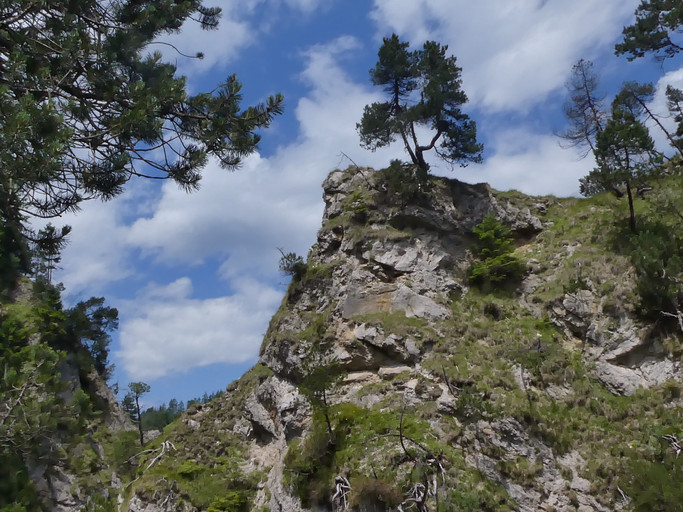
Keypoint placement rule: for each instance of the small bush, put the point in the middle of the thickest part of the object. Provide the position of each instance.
(373, 494)
(496, 267)
(189, 469)
(291, 264)
(233, 501)
(406, 183)
(657, 255)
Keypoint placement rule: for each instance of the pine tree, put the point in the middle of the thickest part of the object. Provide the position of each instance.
(625, 156)
(423, 88)
(657, 21)
(131, 403)
(85, 106)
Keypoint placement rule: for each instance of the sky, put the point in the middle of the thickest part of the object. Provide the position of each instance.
(195, 276)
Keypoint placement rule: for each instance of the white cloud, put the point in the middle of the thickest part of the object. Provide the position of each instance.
(168, 331)
(306, 6)
(531, 163)
(219, 47)
(271, 202)
(96, 253)
(659, 107)
(513, 53)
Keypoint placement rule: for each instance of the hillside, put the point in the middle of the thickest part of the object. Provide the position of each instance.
(57, 413)
(389, 381)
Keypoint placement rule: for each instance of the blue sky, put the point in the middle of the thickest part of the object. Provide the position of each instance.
(195, 276)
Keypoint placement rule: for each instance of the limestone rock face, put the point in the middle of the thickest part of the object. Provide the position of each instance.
(404, 263)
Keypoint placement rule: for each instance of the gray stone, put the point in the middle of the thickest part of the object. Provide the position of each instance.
(618, 379)
(414, 305)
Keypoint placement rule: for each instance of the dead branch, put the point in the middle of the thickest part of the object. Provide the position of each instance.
(678, 316)
(166, 446)
(674, 442)
(400, 436)
(448, 383)
(342, 489)
(624, 496)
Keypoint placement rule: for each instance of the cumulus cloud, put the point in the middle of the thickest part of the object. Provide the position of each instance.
(659, 107)
(530, 162)
(96, 253)
(513, 53)
(167, 331)
(271, 202)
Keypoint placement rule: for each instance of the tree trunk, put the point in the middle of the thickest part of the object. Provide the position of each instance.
(137, 407)
(632, 219)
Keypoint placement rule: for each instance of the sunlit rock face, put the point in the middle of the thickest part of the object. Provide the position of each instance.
(387, 381)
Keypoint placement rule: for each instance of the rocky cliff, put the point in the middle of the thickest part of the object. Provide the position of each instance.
(387, 382)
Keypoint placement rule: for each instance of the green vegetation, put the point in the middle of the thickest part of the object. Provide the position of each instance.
(625, 155)
(496, 267)
(656, 21)
(404, 183)
(368, 449)
(423, 88)
(131, 404)
(53, 99)
(292, 265)
(207, 467)
(37, 417)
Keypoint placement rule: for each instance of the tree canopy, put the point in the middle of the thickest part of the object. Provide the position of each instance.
(422, 88)
(657, 21)
(625, 155)
(584, 109)
(86, 104)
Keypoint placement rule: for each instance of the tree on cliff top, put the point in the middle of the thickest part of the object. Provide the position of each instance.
(422, 87)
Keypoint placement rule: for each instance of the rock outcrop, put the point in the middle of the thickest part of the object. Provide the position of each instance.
(391, 383)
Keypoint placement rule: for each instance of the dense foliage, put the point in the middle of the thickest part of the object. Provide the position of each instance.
(495, 266)
(654, 31)
(86, 104)
(38, 409)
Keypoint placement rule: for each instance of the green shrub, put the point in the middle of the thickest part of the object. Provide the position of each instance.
(291, 264)
(309, 464)
(496, 267)
(374, 494)
(405, 183)
(655, 486)
(233, 501)
(189, 469)
(657, 255)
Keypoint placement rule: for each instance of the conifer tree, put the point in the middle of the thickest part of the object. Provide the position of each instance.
(654, 31)
(423, 88)
(625, 156)
(131, 403)
(86, 104)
